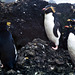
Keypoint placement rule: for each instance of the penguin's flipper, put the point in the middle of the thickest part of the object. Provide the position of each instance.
(57, 25)
(14, 47)
(55, 31)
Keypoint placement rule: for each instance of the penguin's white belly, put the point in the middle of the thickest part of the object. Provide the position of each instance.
(71, 45)
(49, 25)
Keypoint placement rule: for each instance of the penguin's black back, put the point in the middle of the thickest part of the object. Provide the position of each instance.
(7, 50)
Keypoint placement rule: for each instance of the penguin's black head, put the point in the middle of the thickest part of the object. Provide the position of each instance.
(49, 9)
(71, 25)
(4, 25)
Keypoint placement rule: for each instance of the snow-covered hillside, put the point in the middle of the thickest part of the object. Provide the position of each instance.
(8, 1)
(61, 1)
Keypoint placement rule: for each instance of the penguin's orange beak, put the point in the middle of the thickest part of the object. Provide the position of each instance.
(66, 26)
(43, 9)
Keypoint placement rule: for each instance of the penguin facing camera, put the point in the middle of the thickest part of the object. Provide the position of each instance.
(8, 53)
(71, 39)
(52, 25)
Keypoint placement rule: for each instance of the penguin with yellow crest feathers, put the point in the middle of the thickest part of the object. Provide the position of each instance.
(8, 53)
(51, 25)
(71, 38)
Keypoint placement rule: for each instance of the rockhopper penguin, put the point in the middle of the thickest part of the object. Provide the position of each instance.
(8, 53)
(52, 25)
(71, 38)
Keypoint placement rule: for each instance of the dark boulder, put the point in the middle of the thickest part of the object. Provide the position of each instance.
(27, 19)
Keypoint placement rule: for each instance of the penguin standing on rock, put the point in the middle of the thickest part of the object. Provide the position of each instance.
(8, 51)
(71, 38)
(52, 25)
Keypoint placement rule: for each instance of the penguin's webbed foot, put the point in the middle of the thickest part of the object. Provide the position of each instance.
(55, 48)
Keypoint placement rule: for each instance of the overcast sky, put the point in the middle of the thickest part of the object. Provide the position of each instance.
(64, 1)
